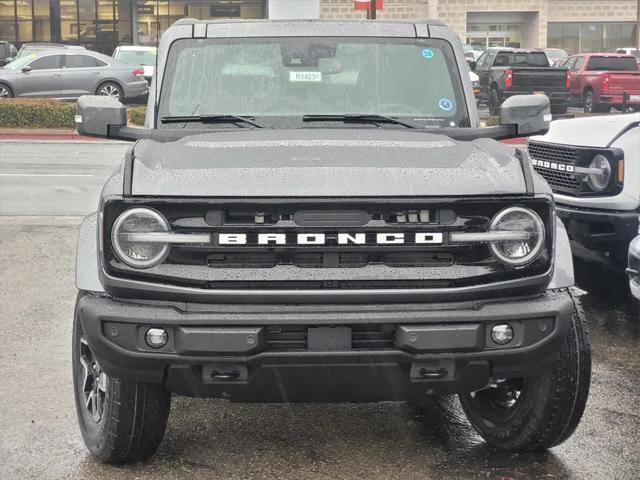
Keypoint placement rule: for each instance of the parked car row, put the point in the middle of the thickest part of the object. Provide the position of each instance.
(67, 72)
(597, 82)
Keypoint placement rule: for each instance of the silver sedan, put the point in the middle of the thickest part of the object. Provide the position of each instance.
(68, 74)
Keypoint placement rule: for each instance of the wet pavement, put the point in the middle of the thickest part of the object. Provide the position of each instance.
(214, 439)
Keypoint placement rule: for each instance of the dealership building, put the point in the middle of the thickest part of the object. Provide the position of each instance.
(575, 25)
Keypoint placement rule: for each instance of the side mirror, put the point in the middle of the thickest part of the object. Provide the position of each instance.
(25, 69)
(530, 114)
(98, 116)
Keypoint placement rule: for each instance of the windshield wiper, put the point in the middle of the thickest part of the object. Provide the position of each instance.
(211, 119)
(359, 118)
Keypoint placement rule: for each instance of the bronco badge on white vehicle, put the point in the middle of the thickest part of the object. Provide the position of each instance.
(275, 240)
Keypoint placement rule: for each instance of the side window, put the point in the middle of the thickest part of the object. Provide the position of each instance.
(49, 62)
(82, 61)
(482, 60)
(578, 65)
(569, 63)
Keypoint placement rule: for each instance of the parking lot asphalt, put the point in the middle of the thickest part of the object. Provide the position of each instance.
(215, 439)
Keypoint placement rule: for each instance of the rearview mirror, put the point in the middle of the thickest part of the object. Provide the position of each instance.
(531, 114)
(25, 69)
(98, 116)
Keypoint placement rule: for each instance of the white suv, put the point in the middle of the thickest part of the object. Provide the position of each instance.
(593, 167)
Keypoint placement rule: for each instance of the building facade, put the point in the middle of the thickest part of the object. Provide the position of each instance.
(575, 25)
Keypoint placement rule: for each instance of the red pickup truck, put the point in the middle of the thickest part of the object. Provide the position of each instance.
(600, 81)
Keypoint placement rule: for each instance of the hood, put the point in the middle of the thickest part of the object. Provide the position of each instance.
(324, 163)
(598, 131)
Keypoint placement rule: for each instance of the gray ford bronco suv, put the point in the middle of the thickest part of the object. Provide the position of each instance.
(313, 213)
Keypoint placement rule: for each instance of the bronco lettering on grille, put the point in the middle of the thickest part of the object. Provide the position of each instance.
(383, 238)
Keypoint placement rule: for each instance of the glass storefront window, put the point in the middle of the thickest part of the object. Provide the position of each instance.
(25, 20)
(591, 37)
(68, 21)
(104, 24)
(41, 21)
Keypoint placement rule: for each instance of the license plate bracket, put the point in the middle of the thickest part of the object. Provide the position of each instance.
(328, 339)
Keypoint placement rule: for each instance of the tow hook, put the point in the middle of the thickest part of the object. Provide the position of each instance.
(433, 373)
(432, 370)
(224, 373)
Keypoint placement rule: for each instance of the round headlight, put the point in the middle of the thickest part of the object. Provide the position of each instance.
(135, 253)
(518, 252)
(599, 181)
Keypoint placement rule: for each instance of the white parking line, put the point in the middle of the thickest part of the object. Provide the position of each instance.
(46, 175)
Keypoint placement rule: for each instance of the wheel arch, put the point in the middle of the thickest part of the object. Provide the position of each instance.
(9, 86)
(88, 256)
(563, 276)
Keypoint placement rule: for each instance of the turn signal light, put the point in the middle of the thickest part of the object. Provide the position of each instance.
(620, 171)
(568, 79)
(508, 81)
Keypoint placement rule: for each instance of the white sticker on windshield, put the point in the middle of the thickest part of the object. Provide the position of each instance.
(305, 76)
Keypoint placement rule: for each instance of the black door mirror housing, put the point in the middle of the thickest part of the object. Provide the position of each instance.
(530, 114)
(99, 116)
(25, 69)
(472, 65)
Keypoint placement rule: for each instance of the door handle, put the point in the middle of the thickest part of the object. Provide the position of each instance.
(57, 75)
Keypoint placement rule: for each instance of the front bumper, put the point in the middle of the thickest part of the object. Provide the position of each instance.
(249, 352)
(599, 236)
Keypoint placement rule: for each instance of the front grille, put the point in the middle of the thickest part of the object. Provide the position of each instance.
(551, 162)
(363, 337)
(359, 263)
(322, 259)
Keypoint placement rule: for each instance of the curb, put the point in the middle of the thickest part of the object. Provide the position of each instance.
(43, 134)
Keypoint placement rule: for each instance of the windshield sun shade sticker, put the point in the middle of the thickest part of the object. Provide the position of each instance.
(305, 76)
(427, 53)
(445, 104)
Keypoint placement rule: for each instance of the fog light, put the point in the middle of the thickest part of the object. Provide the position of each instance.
(156, 337)
(502, 334)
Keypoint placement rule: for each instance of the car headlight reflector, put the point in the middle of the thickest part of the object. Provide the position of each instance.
(599, 182)
(518, 219)
(135, 253)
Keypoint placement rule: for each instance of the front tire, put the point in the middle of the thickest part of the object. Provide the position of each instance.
(120, 421)
(538, 412)
(5, 91)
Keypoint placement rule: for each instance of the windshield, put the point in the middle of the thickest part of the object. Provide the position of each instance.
(21, 61)
(619, 64)
(285, 77)
(137, 57)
